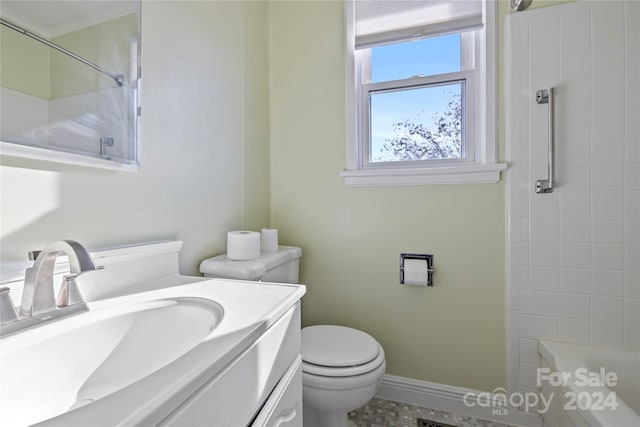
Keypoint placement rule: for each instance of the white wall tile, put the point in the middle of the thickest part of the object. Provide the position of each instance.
(575, 229)
(632, 311)
(574, 178)
(607, 309)
(543, 328)
(632, 284)
(610, 96)
(524, 253)
(523, 200)
(607, 203)
(524, 325)
(543, 205)
(632, 257)
(524, 301)
(575, 280)
(575, 306)
(608, 127)
(581, 268)
(574, 150)
(528, 375)
(544, 229)
(607, 230)
(575, 203)
(632, 202)
(523, 277)
(543, 303)
(574, 331)
(513, 297)
(529, 351)
(632, 176)
(523, 229)
(544, 254)
(632, 230)
(544, 278)
(575, 255)
(545, 70)
(631, 337)
(544, 28)
(609, 175)
(608, 256)
(632, 130)
(607, 282)
(607, 16)
(606, 334)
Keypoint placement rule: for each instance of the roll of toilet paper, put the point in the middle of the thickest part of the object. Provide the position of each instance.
(243, 245)
(415, 272)
(269, 240)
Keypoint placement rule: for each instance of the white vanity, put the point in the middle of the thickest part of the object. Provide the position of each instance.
(157, 348)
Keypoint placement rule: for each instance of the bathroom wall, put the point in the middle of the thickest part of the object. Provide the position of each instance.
(105, 44)
(203, 144)
(352, 238)
(574, 269)
(31, 74)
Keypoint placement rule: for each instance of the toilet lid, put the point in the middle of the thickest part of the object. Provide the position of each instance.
(337, 346)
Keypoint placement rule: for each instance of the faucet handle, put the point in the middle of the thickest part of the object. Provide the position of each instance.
(69, 293)
(7, 310)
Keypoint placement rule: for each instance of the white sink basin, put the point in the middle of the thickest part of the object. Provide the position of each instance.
(50, 370)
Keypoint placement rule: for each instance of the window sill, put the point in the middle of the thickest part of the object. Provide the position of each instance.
(467, 174)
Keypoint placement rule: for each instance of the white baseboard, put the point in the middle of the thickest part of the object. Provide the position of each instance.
(451, 399)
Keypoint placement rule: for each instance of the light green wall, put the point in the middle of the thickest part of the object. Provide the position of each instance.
(105, 44)
(352, 238)
(24, 64)
(195, 146)
(228, 144)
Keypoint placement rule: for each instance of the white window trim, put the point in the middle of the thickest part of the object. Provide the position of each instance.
(484, 169)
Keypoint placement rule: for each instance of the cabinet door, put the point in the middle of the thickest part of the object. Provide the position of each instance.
(284, 406)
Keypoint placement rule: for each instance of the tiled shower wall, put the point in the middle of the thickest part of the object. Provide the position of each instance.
(573, 255)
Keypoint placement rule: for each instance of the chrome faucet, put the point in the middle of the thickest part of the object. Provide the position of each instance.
(38, 295)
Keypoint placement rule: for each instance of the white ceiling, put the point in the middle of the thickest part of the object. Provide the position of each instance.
(52, 18)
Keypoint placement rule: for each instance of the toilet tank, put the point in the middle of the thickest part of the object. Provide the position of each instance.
(279, 267)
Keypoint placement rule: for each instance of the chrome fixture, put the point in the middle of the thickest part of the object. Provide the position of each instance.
(69, 293)
(119, 78)
(7, 310)
(106, 141)
(428, 258)
(520, 5)
(38, 295)
(547, 96)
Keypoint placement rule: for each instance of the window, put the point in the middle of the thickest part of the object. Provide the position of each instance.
(420, 92)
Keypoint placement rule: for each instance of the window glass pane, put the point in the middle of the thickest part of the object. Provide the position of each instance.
(423, 123)
(434, 55)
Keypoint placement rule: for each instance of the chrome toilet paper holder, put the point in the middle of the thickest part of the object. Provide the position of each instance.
(428, 258)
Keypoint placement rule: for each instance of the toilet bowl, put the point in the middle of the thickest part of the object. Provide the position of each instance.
(341, 367)
(341, 371)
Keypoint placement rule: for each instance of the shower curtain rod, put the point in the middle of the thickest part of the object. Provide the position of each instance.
(119, 78)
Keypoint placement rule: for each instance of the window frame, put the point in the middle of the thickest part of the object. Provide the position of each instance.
(467, 94)
(480, 110)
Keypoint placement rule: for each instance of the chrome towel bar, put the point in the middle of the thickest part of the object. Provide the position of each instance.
(547, 96)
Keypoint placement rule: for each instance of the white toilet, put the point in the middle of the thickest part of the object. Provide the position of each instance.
(341, 367)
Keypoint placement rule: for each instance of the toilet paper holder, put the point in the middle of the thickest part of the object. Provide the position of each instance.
(428, 258)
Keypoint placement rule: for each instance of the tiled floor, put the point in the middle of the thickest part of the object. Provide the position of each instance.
(386, 413)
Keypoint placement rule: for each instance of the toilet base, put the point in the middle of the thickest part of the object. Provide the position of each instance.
(314, 418)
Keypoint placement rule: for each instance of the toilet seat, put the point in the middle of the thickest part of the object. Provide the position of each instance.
(339, 351)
